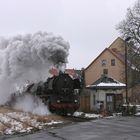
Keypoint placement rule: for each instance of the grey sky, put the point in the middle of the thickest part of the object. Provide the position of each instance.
(88, 25)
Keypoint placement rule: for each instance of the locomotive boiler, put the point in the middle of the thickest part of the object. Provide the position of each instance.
(60, 93)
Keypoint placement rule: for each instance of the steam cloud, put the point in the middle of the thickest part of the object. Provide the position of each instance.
(29, 103)
(29, 58)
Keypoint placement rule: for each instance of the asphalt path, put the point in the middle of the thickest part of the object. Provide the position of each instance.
(119, 128)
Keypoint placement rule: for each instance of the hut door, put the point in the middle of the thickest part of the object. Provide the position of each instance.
(110, 102)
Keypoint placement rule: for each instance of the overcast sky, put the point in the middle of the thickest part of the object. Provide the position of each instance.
(88, 25)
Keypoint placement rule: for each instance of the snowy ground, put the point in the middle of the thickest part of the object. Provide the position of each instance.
(137, 114)
(13, 122)
(87, 115)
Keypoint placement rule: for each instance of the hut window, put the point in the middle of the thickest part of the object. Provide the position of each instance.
(109, 98)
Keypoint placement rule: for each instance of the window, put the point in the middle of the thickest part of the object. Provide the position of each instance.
(109, 98)
(104, 62)
(112, 62)
(105, 71)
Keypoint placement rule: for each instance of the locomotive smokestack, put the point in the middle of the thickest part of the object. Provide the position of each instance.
(61, 67)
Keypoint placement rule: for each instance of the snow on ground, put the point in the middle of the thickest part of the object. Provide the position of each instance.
(113, 115)
(137, 114)
(21, 122)
(14, 121)
(87, 115)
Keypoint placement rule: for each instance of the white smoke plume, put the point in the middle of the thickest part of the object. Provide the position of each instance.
(28, 58)
(29, 103)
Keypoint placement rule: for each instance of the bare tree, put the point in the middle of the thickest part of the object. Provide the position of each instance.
(130, 27)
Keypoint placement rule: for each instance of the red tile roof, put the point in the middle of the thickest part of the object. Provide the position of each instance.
(72, 72)
(53, 71)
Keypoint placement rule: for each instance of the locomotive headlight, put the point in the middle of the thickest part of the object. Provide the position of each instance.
(58, 101)
(75, 101)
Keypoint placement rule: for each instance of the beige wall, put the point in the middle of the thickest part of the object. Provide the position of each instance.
(95, 70)
(118, 44)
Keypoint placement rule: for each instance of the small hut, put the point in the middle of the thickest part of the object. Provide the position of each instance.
(106, 94)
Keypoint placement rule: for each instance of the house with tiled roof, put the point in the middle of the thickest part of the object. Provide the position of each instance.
(109, 63)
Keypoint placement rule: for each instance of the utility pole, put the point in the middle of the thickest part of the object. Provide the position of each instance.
(126, 74)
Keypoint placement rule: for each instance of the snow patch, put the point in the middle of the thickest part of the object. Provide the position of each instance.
(87, 115)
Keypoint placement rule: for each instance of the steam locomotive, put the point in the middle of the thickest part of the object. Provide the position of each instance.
(60, 93)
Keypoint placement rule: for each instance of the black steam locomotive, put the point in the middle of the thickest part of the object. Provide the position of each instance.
(60, 93)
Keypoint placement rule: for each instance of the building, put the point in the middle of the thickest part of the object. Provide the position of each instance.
(106, 94)
(109, 63)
